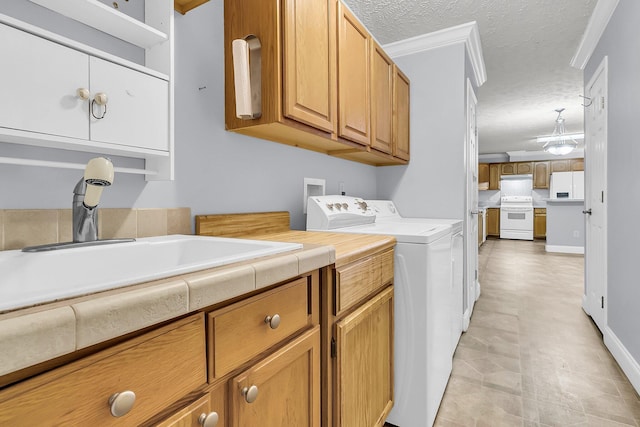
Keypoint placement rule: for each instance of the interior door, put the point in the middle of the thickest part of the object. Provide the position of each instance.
(471, 289)
(596, 198)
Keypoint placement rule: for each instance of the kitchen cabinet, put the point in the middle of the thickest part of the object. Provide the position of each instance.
(183, 6)
(480, 229)
(541, 174)
(317, 91)
(508, 169)
(493, 222)
(524, 168)
(560, 166)
(483, 172)
(401, 124)
(494, 176)
(136, 114)
(539, 223)
(577, 165)
(206, 409)
(354, 78)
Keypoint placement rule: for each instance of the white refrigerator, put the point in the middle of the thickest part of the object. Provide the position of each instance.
(567, 185)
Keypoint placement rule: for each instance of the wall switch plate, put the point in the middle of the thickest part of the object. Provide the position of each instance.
(312, 187)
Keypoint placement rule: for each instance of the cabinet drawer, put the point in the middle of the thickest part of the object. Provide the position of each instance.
(160, 370)
(241, 331)
(357, 280)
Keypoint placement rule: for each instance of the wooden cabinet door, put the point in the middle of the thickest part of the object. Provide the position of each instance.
(541, 175)
(507, 169)
(287, 384)
(38, 83)
(353, 78)
(493, 222)
(524, 168)
(401, 122)
(137, 110)
(560, 166)
(483, 172)
(363, 394)
(539, 223)
(382, 77)
(480, 229)
(577, 164)
(207, 408)
(309, 78)
(494, 176)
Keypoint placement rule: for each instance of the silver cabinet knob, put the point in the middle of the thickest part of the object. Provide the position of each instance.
(83, 93)
(208, 420)
(587, 212)
(250, 393)
(273, 321)
(121, 403)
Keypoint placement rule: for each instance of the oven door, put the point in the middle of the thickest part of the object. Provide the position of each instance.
(516, 219)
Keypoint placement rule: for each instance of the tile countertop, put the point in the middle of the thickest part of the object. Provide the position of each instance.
(34, 335)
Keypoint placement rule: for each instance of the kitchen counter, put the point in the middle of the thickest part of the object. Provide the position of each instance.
(564, 201)
(35, 335)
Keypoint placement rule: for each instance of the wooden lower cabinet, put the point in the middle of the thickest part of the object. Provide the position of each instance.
(206, 411)
(493, 222)
(282, 389)
(364, 342)
(540, 223)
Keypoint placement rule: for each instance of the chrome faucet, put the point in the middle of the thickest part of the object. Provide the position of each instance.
(86, 195)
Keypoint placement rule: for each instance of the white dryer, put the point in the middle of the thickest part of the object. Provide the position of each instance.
(422, 301)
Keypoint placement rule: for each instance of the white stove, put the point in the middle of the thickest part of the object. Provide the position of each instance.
(516, 217)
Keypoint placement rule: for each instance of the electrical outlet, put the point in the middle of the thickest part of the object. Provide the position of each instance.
(576, 233)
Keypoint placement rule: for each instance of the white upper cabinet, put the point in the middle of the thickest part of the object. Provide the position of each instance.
(37, 94)
(137, 107)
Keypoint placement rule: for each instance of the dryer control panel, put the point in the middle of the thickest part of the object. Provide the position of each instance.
(330, 212)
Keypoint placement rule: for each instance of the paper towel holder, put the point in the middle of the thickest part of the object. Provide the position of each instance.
(247, 70)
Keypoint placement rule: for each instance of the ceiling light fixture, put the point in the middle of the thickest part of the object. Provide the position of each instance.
(559, 143)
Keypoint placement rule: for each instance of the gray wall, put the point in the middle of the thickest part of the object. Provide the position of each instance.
(216, 171)
(620, 42)
(433, 184)
(564, 221)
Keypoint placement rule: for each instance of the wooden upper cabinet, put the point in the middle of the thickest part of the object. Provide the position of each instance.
(524, 168)
(382, 80)
(309, 82)
(560, 166)
(401, 124)
(494, 176)
(541, 174)
(483, 172)
(577, 164)
(353, 78)
(508, 169)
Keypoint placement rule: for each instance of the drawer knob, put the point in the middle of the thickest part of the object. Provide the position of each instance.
(273, 321)
(208, 420)
(121, 403)
(250, 393)
(83, 93)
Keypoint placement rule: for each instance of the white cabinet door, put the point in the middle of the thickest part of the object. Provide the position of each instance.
(137, 109)
(38, 84)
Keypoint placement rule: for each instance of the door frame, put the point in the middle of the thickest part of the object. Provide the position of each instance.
(590, 306)
(471, 282)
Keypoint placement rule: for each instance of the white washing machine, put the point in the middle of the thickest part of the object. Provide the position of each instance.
(386, 211)
(422, 307)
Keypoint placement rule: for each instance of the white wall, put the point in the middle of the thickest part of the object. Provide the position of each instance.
(216, 171)
(433, 184)
(621, 44)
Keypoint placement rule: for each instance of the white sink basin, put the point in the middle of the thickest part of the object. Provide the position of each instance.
(32, 278)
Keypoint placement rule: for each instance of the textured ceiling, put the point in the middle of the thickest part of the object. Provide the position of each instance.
(527, 46)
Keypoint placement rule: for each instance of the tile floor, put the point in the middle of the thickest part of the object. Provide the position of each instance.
(531, 356)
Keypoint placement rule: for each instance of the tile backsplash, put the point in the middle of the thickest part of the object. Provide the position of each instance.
(29, 227)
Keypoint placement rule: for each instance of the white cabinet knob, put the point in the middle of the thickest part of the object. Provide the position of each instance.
(273, 321)
(208, 420)
(250, 393)
(121, 403)
(83, 93)
(101, 98)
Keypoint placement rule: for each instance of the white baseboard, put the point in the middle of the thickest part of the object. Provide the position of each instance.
(565, 249)
(585, 307)
(466, 320)
(629, 365)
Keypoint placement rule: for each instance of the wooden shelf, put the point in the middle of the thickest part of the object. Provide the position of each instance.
(184, 6)
(107, 19)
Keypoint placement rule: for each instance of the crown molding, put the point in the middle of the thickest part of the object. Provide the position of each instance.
(466, 33)
(595, 28)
